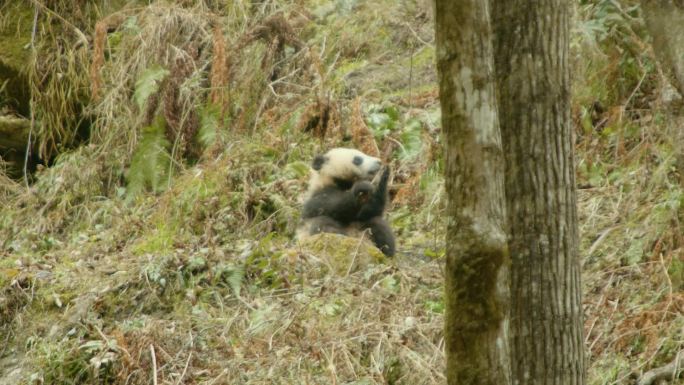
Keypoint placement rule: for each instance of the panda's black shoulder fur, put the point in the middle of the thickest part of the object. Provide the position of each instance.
(331, 209)
(343, 184)
(357, 203)
(333, 202)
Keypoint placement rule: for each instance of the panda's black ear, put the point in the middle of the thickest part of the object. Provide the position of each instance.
(318, 162)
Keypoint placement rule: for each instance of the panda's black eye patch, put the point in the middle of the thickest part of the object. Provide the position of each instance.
(357, 160)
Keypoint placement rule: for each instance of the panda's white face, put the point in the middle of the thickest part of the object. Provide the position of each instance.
(342, 164)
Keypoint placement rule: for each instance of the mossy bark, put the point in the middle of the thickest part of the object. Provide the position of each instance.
(533, 84)
(477, 257)
(13, 132)
(16, 25)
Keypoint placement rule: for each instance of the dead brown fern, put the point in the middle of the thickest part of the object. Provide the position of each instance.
(175, 39)
(99, 40)
(182, 120)
(273, 33)
(409, 193)
(98, 59)
(276, 32)
(315, 118)
(220, 72)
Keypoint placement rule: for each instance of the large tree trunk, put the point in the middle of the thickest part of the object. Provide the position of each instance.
(531, 55)
(477, 257)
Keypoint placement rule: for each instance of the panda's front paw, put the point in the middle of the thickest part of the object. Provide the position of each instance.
(384, 178)
(362, 191)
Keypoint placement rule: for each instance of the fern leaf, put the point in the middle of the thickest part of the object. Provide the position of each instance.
(234, 279)
(209, 126)
(150, 164)
(412, 143)
(148, 84)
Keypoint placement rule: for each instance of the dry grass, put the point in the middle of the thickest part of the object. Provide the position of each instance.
(634, 249)
(173, 38)
(58, 75)
(9, 188)
(375, 326)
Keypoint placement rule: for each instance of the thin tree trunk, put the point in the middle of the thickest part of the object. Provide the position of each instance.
(531, 54)
(665, 22)
(477, 257)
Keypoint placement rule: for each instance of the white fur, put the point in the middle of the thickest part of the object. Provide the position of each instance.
(340, 164)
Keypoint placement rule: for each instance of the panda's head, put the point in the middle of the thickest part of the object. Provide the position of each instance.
(342, 167)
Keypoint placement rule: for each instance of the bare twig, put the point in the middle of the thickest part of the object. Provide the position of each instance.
(356, 253)
(33, 119)
(667, 372)
(600, 240)
(415, 34)
(154, 365)
(180, 379)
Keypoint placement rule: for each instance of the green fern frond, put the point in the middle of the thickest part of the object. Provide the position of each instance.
(209, 126)
(232, 275)
(411, 140)
(234, 279)
(148, 84)
(150, 164)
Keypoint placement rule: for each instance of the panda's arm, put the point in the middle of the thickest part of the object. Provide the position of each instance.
(375, 206)
(382, 235)
(332, 202)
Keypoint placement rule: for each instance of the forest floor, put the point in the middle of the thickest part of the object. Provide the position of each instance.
(201, 282)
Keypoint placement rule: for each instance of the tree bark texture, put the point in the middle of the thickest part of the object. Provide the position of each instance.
(477, 257)
(665, 23)
(533, 84)
(15, 59)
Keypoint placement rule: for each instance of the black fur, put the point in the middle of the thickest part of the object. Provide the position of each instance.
(357, 160)
(334, 203)
(362, 191)
(333, 209)
(343, 184)
(382, 235)
(318, 162)
(377, 201)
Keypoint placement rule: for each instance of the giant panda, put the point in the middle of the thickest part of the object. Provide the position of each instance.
(342, 199)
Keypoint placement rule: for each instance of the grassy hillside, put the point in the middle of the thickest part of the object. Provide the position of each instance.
(155, 242)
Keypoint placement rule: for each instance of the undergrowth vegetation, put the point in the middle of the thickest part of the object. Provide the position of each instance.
(631, 194)
(156, 240)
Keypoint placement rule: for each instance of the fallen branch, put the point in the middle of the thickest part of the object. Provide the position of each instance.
(154, 365)
(667, 372)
